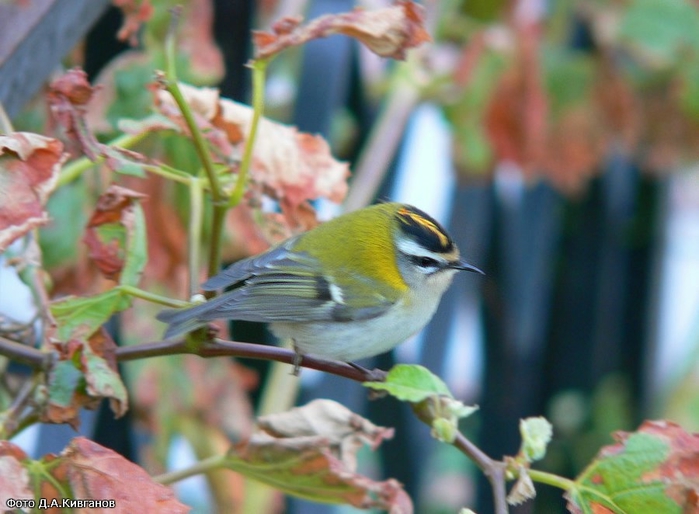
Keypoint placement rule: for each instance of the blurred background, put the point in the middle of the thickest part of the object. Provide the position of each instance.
(558, 142)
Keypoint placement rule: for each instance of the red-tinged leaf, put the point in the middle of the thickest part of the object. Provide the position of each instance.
(517, 115)
(655, 469)
(14, 479)
(115, 235)
(196, 39)
(29, 166)
(69, 96)
(101, 373)
(310, 452)
(97, 472)
(576, 146)
(136, 13)
(388, 32)
(84, 374)
(290, 166)
(204, 105)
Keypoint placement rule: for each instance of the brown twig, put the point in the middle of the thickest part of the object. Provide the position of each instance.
(220, 347)
(493, 469)
(12, 416)
(24, 354)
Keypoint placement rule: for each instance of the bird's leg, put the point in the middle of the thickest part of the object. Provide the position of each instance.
(298, 358)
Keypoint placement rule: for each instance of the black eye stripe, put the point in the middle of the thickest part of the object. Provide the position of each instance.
(425, 262)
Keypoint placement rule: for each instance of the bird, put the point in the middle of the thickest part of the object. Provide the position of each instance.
(351, 288)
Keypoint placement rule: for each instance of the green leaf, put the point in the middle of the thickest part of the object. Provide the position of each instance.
(648, 471)
(689, 93)
(136, 248)
(660, 29)
(65, 379)
(60, 240)
(569, 77)
(536, 435)
(80, 317)
(411, 383)
(102, 381)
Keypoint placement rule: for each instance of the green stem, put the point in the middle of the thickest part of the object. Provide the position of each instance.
(170, 173)
(172, 87)
(203, 466)
(196, 210)
(550, 479)
(259, 69)
(152, 297)
(217, 224)
(73, 170)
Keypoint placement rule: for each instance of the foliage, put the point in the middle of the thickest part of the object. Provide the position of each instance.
(513, 92)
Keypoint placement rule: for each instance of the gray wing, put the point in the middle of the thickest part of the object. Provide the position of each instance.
(279, 285)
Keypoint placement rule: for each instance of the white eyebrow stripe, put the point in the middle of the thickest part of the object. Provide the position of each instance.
(409, 247)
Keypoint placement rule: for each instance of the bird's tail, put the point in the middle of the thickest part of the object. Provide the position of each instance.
(183, 321)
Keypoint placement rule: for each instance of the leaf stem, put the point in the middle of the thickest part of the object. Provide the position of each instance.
(259, 70)
(171, 174)
(217, 223)
(203, 466)
(172, 87)
(550, 479)
(74, 169)
(151, 297)
(196, 211)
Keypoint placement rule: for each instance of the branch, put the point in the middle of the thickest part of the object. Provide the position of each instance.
(24, 354)
(493, 469)
(220, 347)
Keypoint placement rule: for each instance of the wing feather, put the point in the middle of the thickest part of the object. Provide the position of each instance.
(279, 285)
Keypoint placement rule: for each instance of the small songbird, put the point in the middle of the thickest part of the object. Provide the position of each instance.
(353, 287)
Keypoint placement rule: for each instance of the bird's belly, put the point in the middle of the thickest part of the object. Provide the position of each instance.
(353, 340)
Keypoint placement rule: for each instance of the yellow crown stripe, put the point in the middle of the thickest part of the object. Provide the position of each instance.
(415, 217)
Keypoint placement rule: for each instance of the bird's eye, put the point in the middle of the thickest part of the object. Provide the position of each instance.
(425, 262)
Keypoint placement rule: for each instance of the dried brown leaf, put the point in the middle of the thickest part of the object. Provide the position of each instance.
(136, 13)
(29, 167)
(97, 472)
(14, 478)
(311, 451)
(290, 166)
(114, 207)
(516, 118)
(69, 96)
(84, 374)
(388, 32)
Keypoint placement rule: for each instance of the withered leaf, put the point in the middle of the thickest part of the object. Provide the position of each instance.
(115, 234)
(388, 32)
(29, 166)
(310, 452)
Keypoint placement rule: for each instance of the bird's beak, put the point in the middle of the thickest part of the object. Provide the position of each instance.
(465, 266)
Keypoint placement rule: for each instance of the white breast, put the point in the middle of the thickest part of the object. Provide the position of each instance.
(353, 340)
